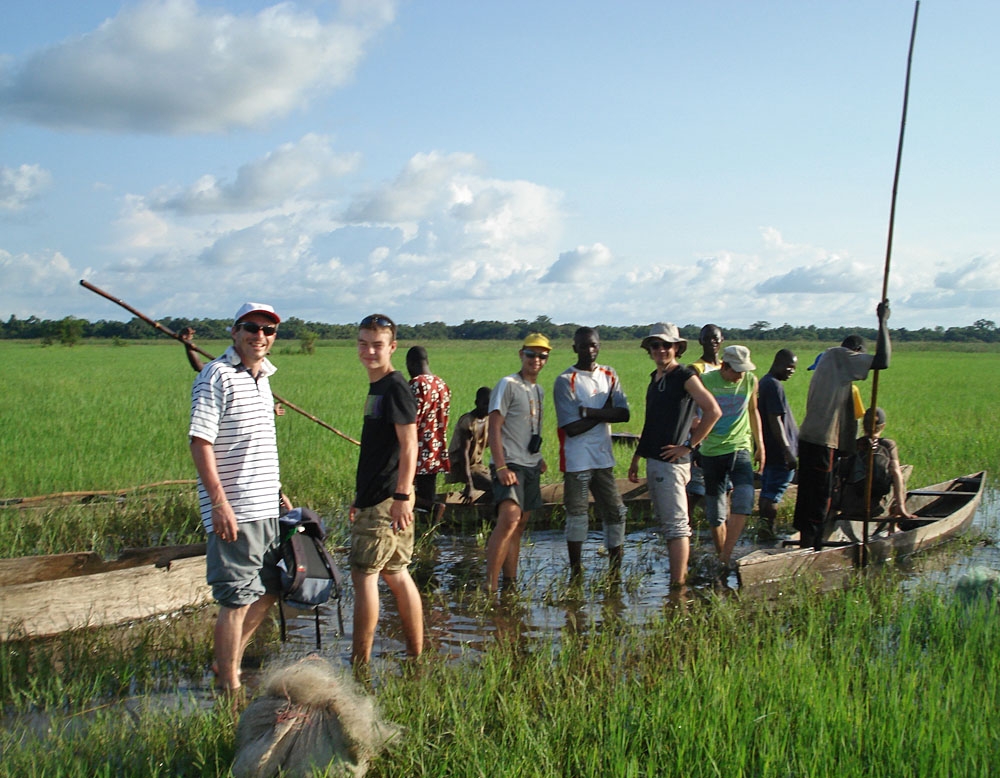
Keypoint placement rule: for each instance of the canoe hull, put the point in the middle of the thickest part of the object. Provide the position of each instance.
(634, 495)
(772, 568)
(136, 586)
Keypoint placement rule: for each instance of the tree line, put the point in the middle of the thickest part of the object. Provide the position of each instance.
(70, 330)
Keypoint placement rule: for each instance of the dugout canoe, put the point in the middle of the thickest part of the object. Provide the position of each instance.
(944, 510)
(635, 496)
(42, 596)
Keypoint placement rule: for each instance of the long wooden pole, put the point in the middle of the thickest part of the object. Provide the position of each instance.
(170, 333)
(885, 272)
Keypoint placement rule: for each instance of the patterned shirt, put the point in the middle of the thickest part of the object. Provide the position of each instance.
(433, 404)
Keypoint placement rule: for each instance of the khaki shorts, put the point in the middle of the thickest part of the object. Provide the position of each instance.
(667, 482)
(375, 547)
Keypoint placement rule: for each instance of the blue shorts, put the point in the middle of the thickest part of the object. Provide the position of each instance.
(722, 472)
(774, 481)
(697, 483)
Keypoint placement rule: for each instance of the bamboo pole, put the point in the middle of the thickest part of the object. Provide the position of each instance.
(885, 272)
(170, 333)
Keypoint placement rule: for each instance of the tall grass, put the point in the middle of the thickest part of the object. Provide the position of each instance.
(98, 417)
(866, 681)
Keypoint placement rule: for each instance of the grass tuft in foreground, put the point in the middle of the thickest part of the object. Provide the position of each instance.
(868, 681)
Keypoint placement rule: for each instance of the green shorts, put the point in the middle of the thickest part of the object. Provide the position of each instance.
(375, 547)
(244, 570)
(526, 492)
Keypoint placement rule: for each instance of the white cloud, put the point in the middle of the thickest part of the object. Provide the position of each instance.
(973, 285)
(978, 274)
(439, 240)
(428, 183)
(36, 284)
(22, 184)
(582, 265)
(170, 66)
(829, 276)
(292, 170)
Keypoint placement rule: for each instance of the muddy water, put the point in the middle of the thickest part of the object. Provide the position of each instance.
(461, 620)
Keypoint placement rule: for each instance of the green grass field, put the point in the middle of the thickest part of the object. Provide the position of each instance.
(867, 681)
(100, 417)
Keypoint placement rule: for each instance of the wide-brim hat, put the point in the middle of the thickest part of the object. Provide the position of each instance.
(738, 358)
(665, 331)
(247, 308)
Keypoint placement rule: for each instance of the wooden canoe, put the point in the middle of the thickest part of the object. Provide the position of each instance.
(634, 495)
(46, 595)
(943, 511)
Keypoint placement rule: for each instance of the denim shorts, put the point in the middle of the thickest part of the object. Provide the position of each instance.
(608, 505)
(774, 481)
(696, 485)
(733, 470)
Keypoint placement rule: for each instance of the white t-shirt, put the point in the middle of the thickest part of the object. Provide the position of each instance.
(520, 404)
(575, 389)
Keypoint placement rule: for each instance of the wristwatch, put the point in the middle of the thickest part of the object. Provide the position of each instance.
(400, 496)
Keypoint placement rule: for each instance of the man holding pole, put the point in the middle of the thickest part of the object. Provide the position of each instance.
(829, 428)
(236, 454)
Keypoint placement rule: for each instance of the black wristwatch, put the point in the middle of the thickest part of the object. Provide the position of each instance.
(400, 496)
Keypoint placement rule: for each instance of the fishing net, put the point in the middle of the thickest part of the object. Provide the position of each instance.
(309, 718)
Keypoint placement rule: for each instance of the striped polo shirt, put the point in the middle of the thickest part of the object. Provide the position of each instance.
(235, 414)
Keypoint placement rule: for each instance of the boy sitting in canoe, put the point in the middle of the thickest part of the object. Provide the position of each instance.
(887, 475)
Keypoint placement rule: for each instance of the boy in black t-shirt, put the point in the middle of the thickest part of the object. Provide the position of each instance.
(382, 514)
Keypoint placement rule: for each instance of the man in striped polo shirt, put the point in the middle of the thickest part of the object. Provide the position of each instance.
(234, 449)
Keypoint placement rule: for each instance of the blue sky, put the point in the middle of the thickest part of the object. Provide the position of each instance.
(595, 162)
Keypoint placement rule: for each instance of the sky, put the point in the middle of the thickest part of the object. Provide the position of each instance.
(596, 162)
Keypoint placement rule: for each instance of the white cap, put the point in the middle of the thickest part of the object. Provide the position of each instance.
(247, 308)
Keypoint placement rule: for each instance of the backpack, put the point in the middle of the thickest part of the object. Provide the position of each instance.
(309, 574)
(855, 476)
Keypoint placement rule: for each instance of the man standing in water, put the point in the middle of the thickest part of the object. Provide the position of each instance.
(781, 436)
(674, 394)
(433, 404)
(382, 514)
(829, 429)
(728, 450)
(515, 433)
(236, 454)
(588, 399)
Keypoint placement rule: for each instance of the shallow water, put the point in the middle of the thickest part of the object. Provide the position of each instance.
(461, 621)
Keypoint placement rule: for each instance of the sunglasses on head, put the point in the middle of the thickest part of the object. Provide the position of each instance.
(542, 355)
(378, 321)
(253, 328)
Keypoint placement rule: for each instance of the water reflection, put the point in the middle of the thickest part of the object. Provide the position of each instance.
(462, 621)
